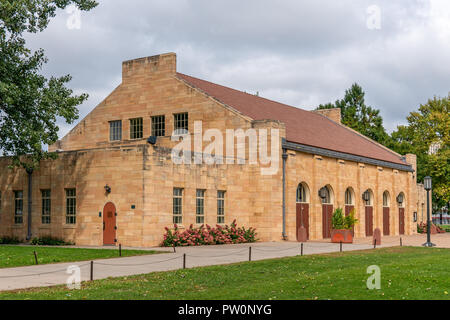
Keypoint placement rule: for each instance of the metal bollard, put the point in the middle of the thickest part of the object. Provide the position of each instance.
(401, 242)
(375, 243)
(35, 257)
(340, 246)
(301, 250)
(120, 249)
(184, 260)
(249, 253)
(92, 271)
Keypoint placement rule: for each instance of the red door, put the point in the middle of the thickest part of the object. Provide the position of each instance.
(369, 221)
(327, 213)
(349, 209)
(401, 220)
(303, 218)
(386, 229)
(109, 224)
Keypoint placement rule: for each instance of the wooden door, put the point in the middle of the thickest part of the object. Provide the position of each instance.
(369, 221)
(327, 214)
(349, 209)
(303, 218)
(401, 220)
(109, 224)
(386, 228)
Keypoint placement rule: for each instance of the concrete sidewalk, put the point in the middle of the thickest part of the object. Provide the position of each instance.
(54, 274)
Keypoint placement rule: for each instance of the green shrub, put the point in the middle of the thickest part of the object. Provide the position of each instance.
(350, 220)
(49, 241)
(337, 220)
(9, 240)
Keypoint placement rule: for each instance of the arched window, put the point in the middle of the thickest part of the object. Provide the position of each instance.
(348, 197)
(386, 199)
(302, 193)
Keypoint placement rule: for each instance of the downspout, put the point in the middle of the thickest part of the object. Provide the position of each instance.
(285, 156)
(30, 197)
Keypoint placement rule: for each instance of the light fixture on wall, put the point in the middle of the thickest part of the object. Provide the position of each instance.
(323, 193)
(366, 195)
(400, 198)
(108, 189)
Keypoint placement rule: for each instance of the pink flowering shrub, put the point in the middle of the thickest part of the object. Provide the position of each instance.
(207, 235)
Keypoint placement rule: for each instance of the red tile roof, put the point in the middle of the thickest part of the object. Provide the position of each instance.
(303, 127)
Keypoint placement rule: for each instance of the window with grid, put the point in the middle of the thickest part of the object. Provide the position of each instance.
(136, 128)
(115, 130)
(18, 207)
(159, 126)
(71, 206)
(220, 207)
(200, 207)
(181, 123)
(46, 206)
(177, 205)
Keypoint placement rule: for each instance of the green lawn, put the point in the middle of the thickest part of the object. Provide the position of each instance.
(406, 273)
(15, 256)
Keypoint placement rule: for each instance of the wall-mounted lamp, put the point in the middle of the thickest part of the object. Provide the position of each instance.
(366, 195)
(323, 193)
(400, 198)
(152, 140)
(108, 189)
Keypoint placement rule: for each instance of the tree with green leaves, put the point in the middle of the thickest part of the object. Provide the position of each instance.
(358, 116)
(30, 104)
(428, 136)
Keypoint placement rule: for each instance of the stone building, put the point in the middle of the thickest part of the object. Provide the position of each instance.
(116, 179)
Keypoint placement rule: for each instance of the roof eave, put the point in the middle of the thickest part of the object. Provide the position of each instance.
(344, 156)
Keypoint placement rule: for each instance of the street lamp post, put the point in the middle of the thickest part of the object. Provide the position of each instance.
(427, 186)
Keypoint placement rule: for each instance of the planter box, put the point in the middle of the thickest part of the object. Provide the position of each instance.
(341, 235)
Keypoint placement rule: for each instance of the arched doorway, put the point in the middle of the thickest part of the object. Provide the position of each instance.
(109, 224)
(386, 213)
(302, 208)
(401, 213)
(368, 208)
(350, 203)
(326, 196)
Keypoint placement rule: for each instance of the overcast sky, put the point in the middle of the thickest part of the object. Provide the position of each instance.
(302, 53)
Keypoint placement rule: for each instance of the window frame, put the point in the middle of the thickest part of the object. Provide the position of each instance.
(180, 126)
(18, 214)
(221, 206)
(136, 129)
(115, 130)
(46, 206)
(177, 205)
(71, 203)
(200, 206)
(158, 125)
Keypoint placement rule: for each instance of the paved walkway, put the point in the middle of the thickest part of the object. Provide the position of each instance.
(54, 274)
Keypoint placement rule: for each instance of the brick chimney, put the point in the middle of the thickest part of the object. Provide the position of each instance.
(149, 67)
(411, 159)
(333, 114)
